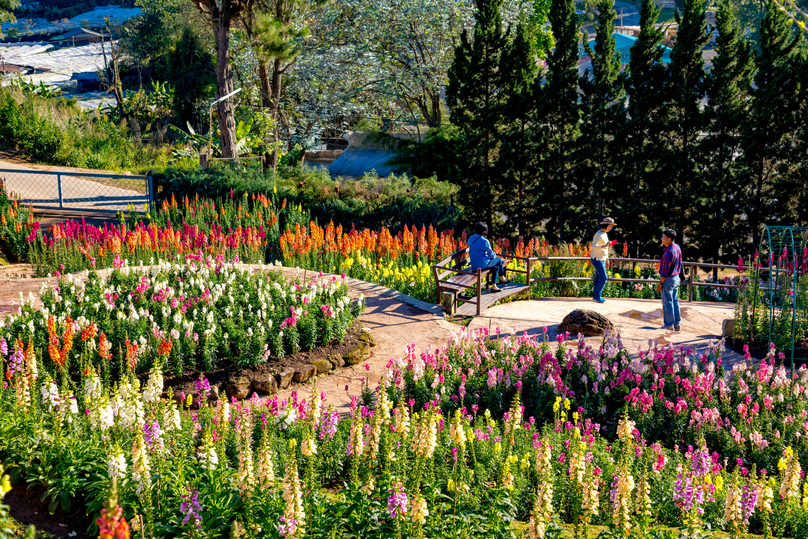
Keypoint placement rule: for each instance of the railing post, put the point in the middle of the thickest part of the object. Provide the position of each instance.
(59, 185)
(479, 291)
(152, 198)
(690, 287)
(528, 278)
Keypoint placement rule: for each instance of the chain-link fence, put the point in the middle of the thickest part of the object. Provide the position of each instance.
(78, 191)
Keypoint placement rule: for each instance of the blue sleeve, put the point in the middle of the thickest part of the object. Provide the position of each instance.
(488, 250)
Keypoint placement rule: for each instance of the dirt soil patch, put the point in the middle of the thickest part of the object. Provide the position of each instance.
(760, 349)
(25, 507)
(186, 382)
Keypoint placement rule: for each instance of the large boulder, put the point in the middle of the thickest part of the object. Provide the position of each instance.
(359, 354)
(265, 383)
(284, 378)
(336, 360)
(302, 374)
(585, 322)
(322, 365)
(238, 387)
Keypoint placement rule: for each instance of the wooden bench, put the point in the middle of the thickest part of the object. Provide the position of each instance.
(454, 275)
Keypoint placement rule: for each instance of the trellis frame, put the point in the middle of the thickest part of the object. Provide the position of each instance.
(782, 256)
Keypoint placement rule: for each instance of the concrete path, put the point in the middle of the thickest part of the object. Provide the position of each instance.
(38, 186)
(639, 321)
(396, 321)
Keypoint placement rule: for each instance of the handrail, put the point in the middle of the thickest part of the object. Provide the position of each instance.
(690, 282)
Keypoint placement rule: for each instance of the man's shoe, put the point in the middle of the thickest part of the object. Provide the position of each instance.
(495, 288)
(601, 300)
(677, 327)
(667, 328)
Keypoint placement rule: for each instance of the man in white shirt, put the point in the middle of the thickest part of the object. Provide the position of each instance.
(600, 254)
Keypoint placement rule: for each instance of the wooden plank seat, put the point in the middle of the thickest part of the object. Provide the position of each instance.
(453, 274)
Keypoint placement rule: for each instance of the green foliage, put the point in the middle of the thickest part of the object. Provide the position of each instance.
(770, 177)
(729, 99)
(369, 201)
(166, 45)
(559, 110)
(603, 111)
(54, 130)
(683, 161)
(7, 11)
(519, 72)
(474, 96)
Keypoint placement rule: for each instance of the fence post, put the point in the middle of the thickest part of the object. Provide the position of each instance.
(150, 182)
(528, 278)
(59, 184)
(690, 287)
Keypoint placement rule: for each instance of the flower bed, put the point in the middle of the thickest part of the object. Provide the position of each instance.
(779, 314)
(676, 396)
(404, 261)
(296, 469)
(17, 226)
(192, 314)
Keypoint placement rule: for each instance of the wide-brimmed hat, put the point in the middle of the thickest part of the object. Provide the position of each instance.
(608, 221)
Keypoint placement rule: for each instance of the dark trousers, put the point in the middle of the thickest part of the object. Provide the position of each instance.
(496, 268)
(600, 278)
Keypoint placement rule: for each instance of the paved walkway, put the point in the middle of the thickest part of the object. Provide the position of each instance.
(397, 320)
(639, 321)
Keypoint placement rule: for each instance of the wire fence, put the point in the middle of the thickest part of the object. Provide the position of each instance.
(79, 191)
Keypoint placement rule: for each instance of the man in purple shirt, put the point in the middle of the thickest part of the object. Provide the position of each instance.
(670, 268)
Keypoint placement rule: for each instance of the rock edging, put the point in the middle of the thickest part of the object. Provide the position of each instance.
(241, 387)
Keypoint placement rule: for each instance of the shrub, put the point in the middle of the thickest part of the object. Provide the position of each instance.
(369, 201)
(56, 131)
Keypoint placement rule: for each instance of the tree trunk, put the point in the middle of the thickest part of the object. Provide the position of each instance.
(224, 79)
(275, 100)
(270, 158)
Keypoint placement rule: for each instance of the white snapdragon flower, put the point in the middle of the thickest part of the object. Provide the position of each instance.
(286, 417)
(154, 386)
(116, 465)
(50, 395)
(208, 458)
(92, 386)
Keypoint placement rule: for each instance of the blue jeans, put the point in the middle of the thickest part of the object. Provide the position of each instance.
(670, 301)
(496, 266)
(600, 278)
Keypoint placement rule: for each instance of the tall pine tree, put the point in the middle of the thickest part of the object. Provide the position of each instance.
(801, 148)
(768, 171)
(475, 98)
(603, 110)
(685, 122)
(728, 100)
(518, 72)
(560, 198)
(641, 139)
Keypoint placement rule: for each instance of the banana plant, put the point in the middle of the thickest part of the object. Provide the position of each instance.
(191, 142)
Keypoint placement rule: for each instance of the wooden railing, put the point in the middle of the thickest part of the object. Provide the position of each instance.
(690, 283)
